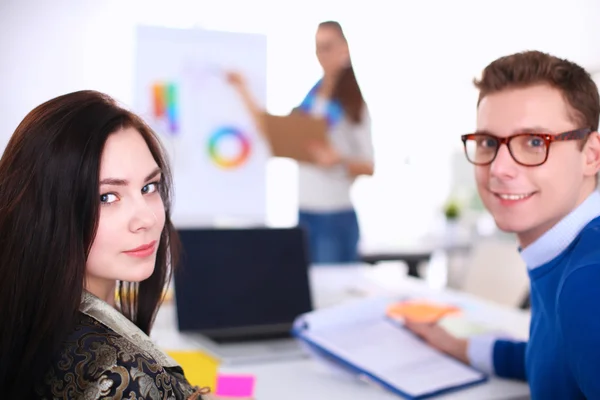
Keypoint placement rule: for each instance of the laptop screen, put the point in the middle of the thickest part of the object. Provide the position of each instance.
(241, 284)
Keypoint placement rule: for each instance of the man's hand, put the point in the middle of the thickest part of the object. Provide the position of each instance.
(439, 338)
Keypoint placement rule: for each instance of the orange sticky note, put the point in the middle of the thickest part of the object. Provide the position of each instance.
(421, 311)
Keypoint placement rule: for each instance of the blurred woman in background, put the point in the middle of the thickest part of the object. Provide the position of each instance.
(326, 210)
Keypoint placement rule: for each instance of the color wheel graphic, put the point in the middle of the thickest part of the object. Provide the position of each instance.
(229, 162)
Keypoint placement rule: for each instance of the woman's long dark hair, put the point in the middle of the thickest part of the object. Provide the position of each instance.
(346, 90)
(49, 209)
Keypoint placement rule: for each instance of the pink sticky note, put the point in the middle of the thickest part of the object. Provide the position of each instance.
(235, 385)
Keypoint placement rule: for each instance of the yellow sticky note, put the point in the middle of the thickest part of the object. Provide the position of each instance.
(168, 295)
(200, 369)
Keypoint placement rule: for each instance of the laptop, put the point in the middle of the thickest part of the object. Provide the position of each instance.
(240, 290)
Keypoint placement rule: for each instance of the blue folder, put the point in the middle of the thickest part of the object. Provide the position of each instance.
(302, 332)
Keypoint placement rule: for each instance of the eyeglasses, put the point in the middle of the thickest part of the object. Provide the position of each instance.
(528, 149)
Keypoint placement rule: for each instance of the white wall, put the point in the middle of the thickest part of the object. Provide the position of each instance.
(596, 77)
(50, 48)
(415, 61)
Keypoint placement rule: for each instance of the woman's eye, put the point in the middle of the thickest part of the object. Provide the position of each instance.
(108, 198)
(150, 188)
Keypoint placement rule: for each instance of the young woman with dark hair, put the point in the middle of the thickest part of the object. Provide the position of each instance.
(85, 201)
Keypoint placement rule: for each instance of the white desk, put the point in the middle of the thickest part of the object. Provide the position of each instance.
(302, 379)
(417, 250)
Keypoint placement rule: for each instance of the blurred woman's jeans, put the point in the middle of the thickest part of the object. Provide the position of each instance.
(332, 236)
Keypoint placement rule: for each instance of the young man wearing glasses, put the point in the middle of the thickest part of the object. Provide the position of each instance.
(536, 154)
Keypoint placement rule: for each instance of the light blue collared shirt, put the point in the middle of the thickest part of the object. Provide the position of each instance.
(480, 350)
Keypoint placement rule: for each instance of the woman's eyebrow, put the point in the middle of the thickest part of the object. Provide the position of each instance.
(125, 182)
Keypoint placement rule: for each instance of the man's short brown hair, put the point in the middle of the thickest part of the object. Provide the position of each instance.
(535, 67)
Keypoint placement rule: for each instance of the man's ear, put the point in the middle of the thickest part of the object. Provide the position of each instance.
(591, 152)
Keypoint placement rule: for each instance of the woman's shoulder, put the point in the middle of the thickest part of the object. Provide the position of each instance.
(96, 362)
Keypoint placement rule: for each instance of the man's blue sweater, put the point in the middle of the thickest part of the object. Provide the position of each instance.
(562, 358)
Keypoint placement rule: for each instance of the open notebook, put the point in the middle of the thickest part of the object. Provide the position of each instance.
(360, 339)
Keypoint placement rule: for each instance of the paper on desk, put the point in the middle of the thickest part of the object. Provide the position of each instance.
(359, 334)
(350, 312)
